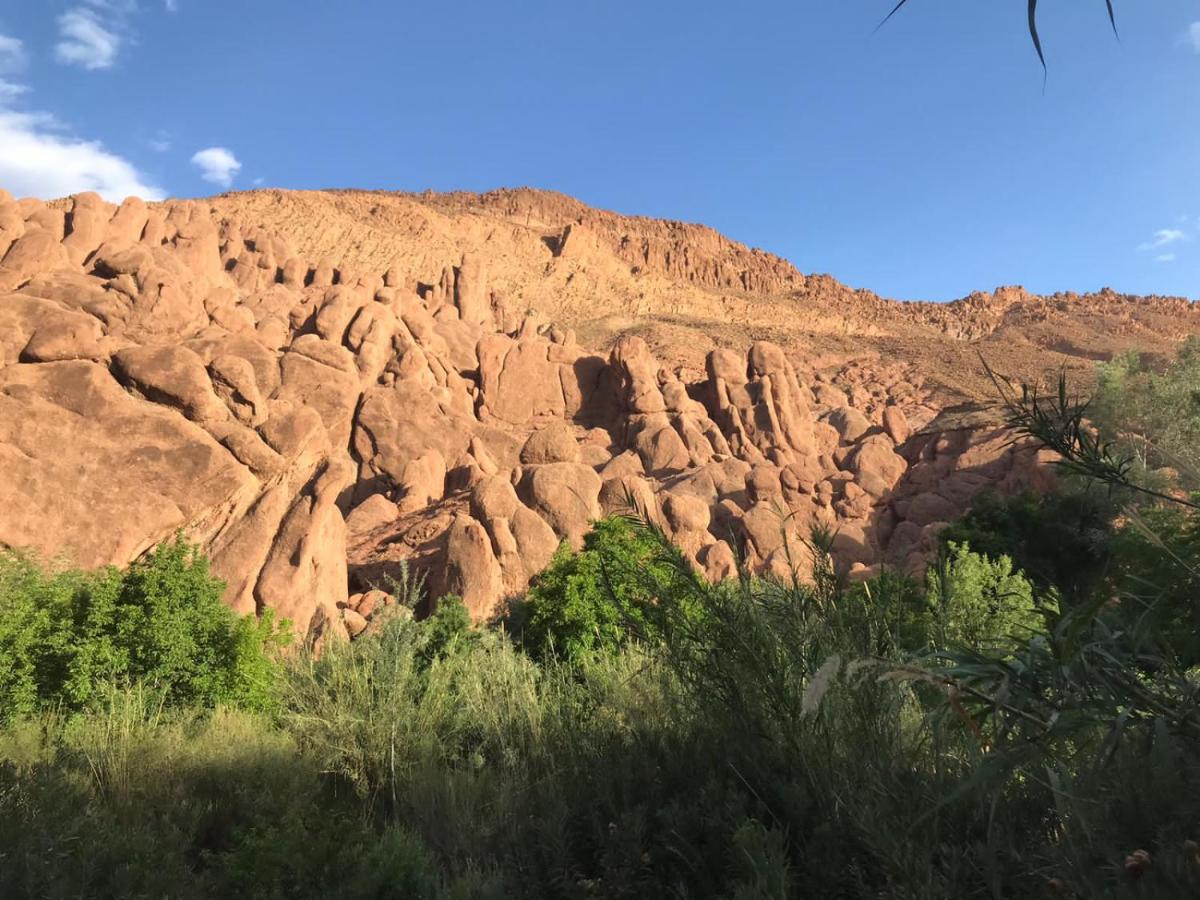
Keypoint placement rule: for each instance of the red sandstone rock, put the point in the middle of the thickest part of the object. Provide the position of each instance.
(315, 409)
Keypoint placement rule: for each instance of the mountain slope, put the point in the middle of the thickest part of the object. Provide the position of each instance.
(320, 386)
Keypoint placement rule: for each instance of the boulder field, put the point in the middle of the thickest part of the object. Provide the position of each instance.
(167, 368)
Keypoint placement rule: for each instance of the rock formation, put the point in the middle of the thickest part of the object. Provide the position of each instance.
(313, 420)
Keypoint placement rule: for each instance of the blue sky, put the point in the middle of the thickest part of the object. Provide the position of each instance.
(922, 161)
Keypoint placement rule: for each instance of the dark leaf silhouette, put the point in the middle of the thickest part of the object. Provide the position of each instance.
(1033, 32)
(1033, 29)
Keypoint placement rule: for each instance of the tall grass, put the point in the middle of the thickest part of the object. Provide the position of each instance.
(773, 740)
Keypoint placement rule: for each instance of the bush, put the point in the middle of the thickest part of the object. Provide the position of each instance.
(129, 800)
(981, 603)
(1060, 541)
(1153, 417)
(774, 740)
(161, 622)
(448, 630)
(599, 599)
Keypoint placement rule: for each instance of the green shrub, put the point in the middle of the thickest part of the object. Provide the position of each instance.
(759, 747)
(1081, 546)
(130, 800)
(981, 603)
(160, 622)
(1153, 417)
(599, 599)
(1156, 575)
(448, 629)
(887, 615)
(1060, 541)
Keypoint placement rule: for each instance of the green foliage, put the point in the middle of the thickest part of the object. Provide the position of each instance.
(889, 614)
(1153, 417)
(161, 622)
(1080, 546)
(663, 736)
(776, 740)
(133, 801)
(1156, 579)
(599, 599)
(406, 586)
(981, 602)
(1061, 541)
(448, 629)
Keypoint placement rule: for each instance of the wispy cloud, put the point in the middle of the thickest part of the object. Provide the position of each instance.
(13, 58)
(217, 165)
(10, 91)
(1165, 258)
(1164, 237)
(171, 5)
(1192, 37)
(84, 40)
(161, 142)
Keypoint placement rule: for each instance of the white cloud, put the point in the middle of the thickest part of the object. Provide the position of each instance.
(10, 91)
(171, 5)
(85, 41)
(1165, 258)
(38, 162)
(217, 164)
(12, 55)
(1193, 36)
(120, 7)
(39, 157)
(160, 143)
(1164, 237)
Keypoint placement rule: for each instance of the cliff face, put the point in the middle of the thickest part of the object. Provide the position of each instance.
(317, 386)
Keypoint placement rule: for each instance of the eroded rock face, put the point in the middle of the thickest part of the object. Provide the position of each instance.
(312, 426)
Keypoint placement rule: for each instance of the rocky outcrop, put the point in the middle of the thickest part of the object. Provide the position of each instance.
(314, 422)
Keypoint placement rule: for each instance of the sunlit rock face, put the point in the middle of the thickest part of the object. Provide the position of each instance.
(316, 404)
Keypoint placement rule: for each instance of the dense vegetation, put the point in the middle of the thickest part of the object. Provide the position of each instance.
(66, 635)
(1024, 721)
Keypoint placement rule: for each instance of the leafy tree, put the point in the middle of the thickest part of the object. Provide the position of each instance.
(448, 628)
(981, 603)
(1156, 578)
(597, 599)
(161, 622)
(1153, 418)
(1060, 541)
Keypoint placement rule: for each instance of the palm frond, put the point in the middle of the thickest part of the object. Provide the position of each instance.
(1034, 35)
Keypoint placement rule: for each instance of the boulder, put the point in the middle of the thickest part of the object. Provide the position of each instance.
(565, 494)
(895, 423)
(552, 444)
(472, 571)
(851, 424)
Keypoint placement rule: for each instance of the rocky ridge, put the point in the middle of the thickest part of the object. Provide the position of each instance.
(317, 387)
